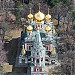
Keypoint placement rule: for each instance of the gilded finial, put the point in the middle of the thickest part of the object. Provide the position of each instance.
(23, 50)
(48, 16)
(30, 16)
(39, 6)
(30, 10)
(39, 17)
(48, 10)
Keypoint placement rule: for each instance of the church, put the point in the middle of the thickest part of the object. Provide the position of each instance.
(38, 43)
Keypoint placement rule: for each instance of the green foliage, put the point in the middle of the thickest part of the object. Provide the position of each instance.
(73, 15)
(54, 2)
(16, 12)
(74, 27)
(51, 2)
(1, 66)
(17, 6)
(66, 1)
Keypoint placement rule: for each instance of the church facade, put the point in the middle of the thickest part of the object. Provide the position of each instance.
(38, 45)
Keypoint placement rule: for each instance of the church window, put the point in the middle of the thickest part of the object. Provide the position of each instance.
(41, 59)
(29, 47)
(40, 69)
(33, 59)
(34, 69)
(41, 26)
(46, 47)
(37, 53)
(37, 70)
(37, 61)
(29, 33)
(29, 59)
(46, 60)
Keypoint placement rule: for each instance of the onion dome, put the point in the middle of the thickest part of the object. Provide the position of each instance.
(39, 16)
(29, 28)
(30, 16)
(47, 28)
(53, 52)
(48, 16)
(23, 50)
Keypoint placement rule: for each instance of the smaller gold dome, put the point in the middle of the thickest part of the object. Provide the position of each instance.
(48, 17)
(23, 50)
(30, 16)
(29, 28)
(53, 52)
(39, 16)
(47, 28)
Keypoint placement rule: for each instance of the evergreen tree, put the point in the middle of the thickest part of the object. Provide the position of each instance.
(17, 12)
(51, 2)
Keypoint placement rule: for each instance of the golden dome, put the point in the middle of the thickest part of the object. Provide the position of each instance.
(30, 16)
(23, 50)
(39, 16)
(48, 16)
(29, 28)
(47, 28)
(53, 52)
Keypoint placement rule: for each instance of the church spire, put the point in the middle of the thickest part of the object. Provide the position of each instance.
(48, 10)
(23, 50)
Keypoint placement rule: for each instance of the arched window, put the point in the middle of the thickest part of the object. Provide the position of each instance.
(37, 53)
(41, 26)
(34, 69)
(37, 69)
(37, 60)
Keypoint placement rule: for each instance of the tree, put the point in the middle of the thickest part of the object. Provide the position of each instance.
(26, 1)
(54, 2)
(51, 3)
(73, 14)
(66, 1)
(73, 19)
(17, 12)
